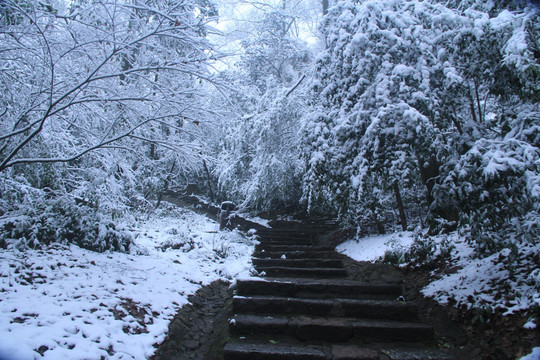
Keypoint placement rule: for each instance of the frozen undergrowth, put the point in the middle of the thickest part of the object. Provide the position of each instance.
(64, 302)
(508, 280)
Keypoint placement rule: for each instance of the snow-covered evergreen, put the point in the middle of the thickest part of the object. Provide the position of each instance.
(419, 100)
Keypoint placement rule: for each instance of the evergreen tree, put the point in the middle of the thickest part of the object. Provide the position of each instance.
(405, 91)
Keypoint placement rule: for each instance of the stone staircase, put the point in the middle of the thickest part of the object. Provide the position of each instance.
(304, 306)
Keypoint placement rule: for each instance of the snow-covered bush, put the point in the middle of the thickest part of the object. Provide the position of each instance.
(429, 252)
(59, 218)
(507, 282)
(495, 189)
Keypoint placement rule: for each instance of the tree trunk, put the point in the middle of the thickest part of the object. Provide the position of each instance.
(159, 198)
(429, 174)
(209, 181)
(166, 185)
(152, 151)
(400, 206)
(325, 7)
(378, 224)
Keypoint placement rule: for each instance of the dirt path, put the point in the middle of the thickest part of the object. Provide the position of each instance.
(201, 328)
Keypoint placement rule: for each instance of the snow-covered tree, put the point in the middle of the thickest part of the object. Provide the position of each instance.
(259, 165)
(98, 72)
(104, 102)
(405, 89)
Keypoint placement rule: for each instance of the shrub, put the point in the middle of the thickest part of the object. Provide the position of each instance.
(495, 188)
(393, 257)
(428, 251)
(61, 219)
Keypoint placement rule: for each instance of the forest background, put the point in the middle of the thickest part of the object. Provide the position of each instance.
(387, 114)
(395, 113)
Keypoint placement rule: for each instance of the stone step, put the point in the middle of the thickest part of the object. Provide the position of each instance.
(283, 235)
(308, 310)
(306, 328)
(320, 288)
(256, 351)
(363, 309)
(297, 254)
(299, 263)
(286, 241)
(248, 350)
(319, 272)
(419, 353)
(312, 248)
(268, 351)
(276, 237)
(294, 232)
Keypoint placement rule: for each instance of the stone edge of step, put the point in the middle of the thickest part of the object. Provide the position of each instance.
(332, 352)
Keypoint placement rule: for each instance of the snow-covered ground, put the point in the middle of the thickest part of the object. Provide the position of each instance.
(69, 303)
(507, 280)
(474, 281)
(374, 247)
(534, 355)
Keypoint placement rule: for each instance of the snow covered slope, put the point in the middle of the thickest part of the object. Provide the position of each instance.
(374, 247)
(64, 302)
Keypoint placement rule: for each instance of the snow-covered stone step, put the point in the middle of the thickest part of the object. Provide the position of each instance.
(273, 248)
(286, 241)
(256, 351)
(296, 255)
(265, 351)
(363, 309)
(317, 288)
(318, 272)
(306, 328)
(299, 263)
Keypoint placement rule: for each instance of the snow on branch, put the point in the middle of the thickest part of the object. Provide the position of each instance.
(77, 73)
